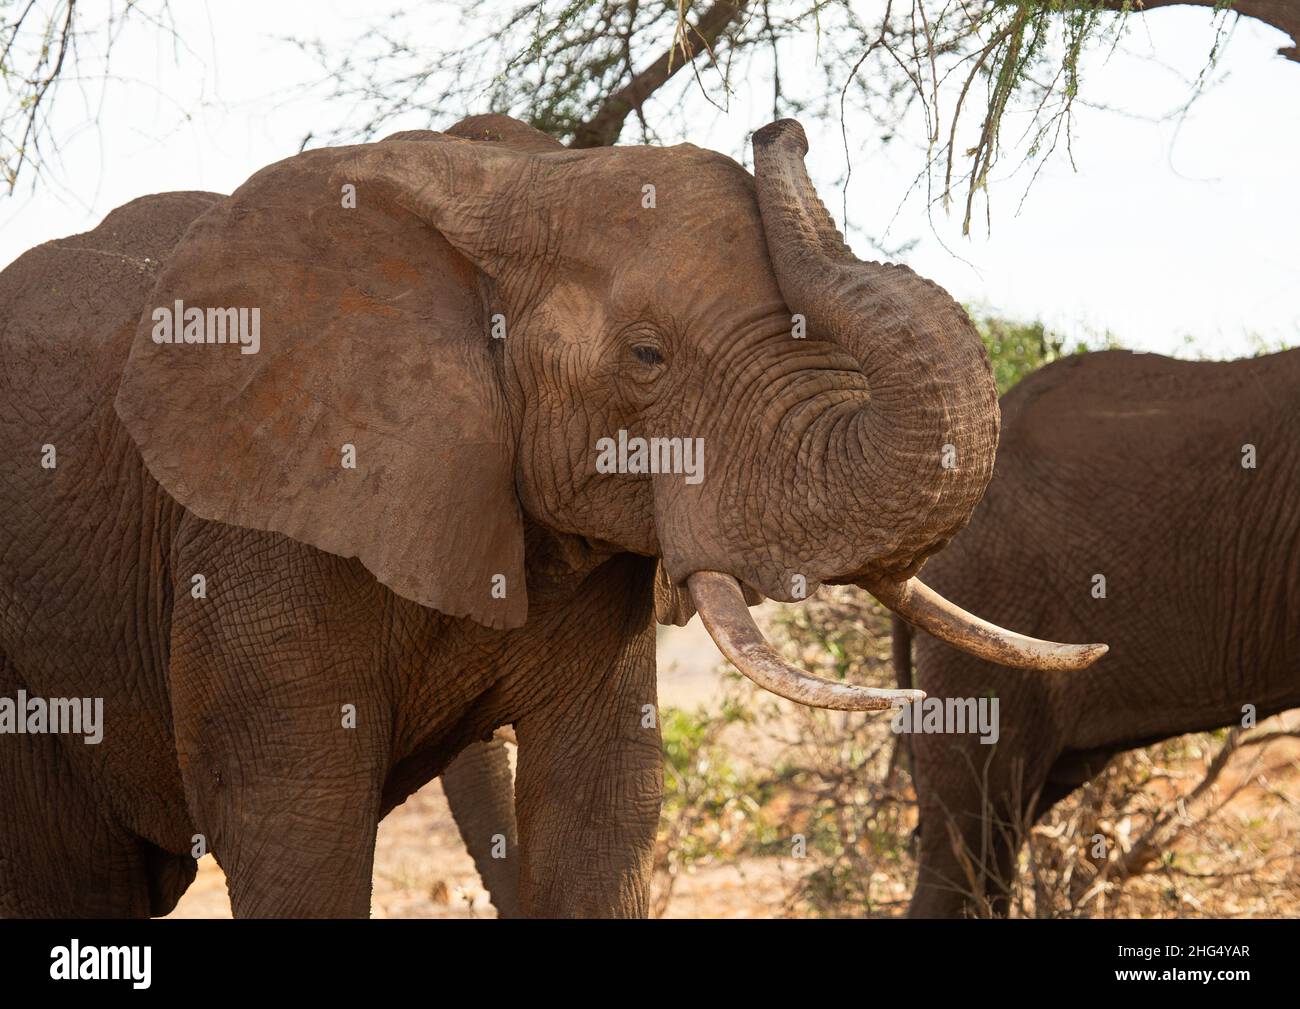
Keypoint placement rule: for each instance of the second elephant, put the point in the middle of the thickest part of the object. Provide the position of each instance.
(1155, 502)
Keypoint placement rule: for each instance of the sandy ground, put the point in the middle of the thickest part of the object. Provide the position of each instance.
(422, 871)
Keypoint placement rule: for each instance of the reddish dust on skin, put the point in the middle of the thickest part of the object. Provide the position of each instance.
(396, 271)
(353, 302)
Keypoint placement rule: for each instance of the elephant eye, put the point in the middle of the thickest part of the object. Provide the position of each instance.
(648, 355)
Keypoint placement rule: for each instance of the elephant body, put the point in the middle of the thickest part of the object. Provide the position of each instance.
(70, 311)
(1155, 503)
(306, 568)
(262, 766)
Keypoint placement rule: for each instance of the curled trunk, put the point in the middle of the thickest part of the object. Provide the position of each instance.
(923, 446)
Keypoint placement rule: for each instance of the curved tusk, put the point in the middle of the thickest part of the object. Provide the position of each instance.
(921, 606)
(506, 734)
(721, 605)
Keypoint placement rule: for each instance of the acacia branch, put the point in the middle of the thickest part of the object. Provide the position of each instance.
(1281, 14)
(604, 127)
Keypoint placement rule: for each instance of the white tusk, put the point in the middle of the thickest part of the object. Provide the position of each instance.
(922, 607)
(507, 734)
(721, 605)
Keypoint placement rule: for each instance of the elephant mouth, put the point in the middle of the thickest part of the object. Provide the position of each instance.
(721, 603)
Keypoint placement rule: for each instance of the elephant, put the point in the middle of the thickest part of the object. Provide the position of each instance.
(312, 487)
(1153, 501)
(479, 786)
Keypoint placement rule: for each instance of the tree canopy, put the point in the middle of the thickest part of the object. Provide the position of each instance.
(599, 72)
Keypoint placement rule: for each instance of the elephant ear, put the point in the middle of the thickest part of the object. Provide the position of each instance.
(367, 417)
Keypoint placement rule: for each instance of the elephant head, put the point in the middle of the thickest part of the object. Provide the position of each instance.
(450, 330)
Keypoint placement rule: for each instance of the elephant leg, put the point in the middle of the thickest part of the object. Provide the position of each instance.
(965, 867)
(62, 854)
(287, 798)
(286, 802)
(282, 728)
(481, 793)
(976, 806)
(590, 781)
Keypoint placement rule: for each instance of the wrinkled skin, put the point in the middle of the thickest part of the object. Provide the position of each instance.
(359, 627)
(1127, 466)
(480, 790)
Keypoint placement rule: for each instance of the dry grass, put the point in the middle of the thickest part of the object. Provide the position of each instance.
(1202, 825)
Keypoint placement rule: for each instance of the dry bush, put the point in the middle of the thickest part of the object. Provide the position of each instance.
(1194, 826)
(1199, 825)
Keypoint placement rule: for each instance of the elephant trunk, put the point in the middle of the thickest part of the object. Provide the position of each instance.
(923, 445)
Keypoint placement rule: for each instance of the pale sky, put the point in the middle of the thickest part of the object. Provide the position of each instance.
(1167, 230)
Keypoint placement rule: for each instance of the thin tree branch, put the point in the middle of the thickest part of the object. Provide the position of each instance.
(604, 127)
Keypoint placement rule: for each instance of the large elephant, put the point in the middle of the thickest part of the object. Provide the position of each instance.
(311, 485)
(1155, 502)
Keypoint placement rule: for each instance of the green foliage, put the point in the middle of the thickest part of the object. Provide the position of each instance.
(1019, 62)
(1262, 345)
(711, 805)
(1017, 349)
